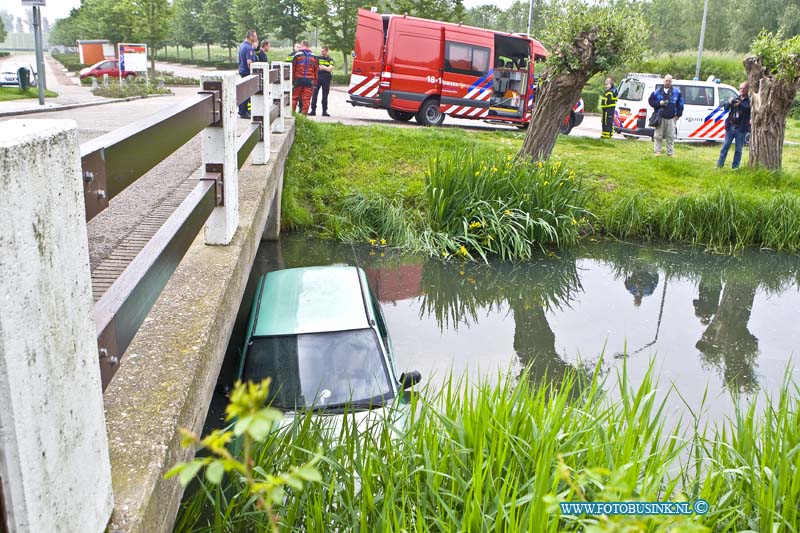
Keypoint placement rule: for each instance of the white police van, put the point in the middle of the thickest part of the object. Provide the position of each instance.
(703, 113)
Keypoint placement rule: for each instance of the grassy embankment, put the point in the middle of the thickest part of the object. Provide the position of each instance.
(500, 456)
(372, 183)
(13, 93)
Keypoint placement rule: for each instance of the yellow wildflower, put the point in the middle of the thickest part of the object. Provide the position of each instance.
(475, 225)
(574, 222)
(372, 242)
(561, 184)
(382, 254)
(462, 250)
(477, 174)
(460, 272)
(507, 211)
(546, 182)
(539, 164)
(383, 242)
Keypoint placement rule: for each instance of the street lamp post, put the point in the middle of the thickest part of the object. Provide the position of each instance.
(530, 17)
(702, 38)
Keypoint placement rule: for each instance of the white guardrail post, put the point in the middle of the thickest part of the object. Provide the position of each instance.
(286, 89)
(275, 99)
(54, 463)
(261, 105)
(220, 155)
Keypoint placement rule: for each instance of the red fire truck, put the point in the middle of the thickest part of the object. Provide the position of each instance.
(425, 69)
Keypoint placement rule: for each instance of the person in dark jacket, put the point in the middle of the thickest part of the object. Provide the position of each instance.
(247, 54)
(608, 105)
(737, 126)
(668, 101)
(324, 77)
(261, 55)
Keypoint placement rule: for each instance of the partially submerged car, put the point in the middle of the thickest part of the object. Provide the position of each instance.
(319, 333)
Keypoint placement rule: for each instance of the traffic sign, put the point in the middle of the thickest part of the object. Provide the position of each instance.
(29, 3)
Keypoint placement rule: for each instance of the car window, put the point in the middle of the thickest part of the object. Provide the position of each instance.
(107, 65)
(726, 94)
(631, 90)
(697, 95)
(466, 59)
(320, 369)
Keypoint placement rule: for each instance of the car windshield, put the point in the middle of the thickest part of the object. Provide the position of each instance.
(321, 369)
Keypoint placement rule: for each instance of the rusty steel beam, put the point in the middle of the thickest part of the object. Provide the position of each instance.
(274, 76)
(113, 161)
(247, 87)
(246, 142)
(121, 310)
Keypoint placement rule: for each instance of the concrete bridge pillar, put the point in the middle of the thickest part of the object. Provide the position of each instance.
(55, 473)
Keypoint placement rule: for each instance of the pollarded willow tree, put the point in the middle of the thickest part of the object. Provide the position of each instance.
(773, 74)
(589, 38)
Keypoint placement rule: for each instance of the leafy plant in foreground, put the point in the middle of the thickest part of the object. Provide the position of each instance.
(254, 423)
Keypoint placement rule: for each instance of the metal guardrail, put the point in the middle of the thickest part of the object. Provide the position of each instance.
(112, 162)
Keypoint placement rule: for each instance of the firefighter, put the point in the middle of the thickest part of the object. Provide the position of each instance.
(609, 105)
(304, 72)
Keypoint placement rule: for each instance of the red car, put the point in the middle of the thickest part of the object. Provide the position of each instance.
(107, 66)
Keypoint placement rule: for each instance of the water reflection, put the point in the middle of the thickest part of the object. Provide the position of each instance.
(696, 313)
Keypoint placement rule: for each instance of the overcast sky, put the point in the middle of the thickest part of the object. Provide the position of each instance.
(56, 9)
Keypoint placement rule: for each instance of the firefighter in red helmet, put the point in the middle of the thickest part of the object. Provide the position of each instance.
(304, 73)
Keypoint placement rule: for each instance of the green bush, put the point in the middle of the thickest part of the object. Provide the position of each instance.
(70, 61)
(723, 65)
(5, 54)
(138, 87)
(794, 112)
(591, 100)
(341, 79)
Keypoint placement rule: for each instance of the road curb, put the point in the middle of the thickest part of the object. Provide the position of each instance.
(67, 107)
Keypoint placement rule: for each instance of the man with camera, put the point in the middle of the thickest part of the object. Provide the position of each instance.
(737, 126)
(667, 101)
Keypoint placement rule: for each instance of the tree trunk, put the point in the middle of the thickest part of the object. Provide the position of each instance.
(230, 57)
(177, 51)
(191, 52)
(554, 101)
(208, 51)
(344, 63)
(770, 101)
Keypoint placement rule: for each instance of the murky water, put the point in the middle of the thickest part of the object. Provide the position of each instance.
(706, 321)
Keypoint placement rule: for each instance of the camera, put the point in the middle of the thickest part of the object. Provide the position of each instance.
(735, 100)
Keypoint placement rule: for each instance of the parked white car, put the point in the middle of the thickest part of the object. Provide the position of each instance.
(8, 73)
(703, 113)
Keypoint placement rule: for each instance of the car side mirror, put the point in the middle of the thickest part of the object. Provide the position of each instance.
(408, 380)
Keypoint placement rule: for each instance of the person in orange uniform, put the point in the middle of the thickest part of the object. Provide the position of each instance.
(305, 67)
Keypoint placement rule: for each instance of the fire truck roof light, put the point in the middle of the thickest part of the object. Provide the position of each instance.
(373, 9)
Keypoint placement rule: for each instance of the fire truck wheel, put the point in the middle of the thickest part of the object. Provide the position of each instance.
(402, 116)
(429, 114)
(567, 126)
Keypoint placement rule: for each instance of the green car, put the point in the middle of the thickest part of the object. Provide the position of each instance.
(320, 334)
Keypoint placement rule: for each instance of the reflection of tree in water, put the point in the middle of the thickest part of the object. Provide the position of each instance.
(726, 290)
(455, 292)
(727, 343)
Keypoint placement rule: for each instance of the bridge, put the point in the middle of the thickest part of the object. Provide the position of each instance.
(100, 364)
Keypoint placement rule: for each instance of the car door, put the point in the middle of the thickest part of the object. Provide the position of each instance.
(467, 76)
(698, 102)
(631, 102)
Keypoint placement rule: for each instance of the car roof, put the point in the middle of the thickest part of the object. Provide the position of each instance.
(660, 81)
(312, 300)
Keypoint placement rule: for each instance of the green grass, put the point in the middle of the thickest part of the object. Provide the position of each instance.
(336, 170)
(13, 93)
(499, 455)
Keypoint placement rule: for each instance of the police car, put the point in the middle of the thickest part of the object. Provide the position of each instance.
(703, 116)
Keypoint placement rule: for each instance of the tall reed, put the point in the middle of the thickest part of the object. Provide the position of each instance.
(500, 455)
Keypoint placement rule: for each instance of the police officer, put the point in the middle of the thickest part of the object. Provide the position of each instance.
(323, 82)
(608, 104)
(247, 54)
(304, 73)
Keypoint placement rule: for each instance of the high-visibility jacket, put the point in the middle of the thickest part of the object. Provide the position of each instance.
(325, 62)
(304, 68)
(609, 99)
